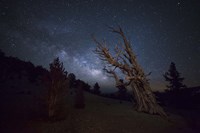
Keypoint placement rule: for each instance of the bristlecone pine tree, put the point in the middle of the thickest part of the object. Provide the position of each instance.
(57, 84)
(174, 79)
(125, 60)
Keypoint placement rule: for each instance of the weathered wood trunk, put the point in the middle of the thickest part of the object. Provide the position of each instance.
(57, 85)
(125, 60)
(52, 105)
(145, 99)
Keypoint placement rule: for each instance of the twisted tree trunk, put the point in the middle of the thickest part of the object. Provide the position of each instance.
(145, 100)
(125, 60)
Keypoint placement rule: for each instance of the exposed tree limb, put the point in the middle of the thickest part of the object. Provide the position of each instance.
(125, 60)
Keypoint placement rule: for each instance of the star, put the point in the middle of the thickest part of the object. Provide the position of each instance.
(40, 31)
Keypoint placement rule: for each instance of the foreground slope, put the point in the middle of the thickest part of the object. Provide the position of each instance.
(102, 115)
(23, 108)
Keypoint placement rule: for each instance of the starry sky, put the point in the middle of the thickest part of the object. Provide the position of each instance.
(161, 31)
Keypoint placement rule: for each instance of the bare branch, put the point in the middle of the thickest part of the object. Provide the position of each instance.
(126, 62)
(104, 51)
(112, 72)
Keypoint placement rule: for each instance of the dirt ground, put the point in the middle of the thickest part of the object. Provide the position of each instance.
(21, 113)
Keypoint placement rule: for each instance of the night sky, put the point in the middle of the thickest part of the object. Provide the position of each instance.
(161, 31)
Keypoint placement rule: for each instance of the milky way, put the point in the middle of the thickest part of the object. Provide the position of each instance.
(160, 32)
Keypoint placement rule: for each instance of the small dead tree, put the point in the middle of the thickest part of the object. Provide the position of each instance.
(79, 95)
(125, 60)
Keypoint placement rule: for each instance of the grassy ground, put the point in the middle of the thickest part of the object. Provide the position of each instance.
(101, 115)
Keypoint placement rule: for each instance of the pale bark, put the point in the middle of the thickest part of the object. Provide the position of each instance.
(126, 62)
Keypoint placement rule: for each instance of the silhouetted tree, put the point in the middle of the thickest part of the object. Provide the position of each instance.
(57, 84)
(122, 90)
(40, 71)
(79, 95)
(125, 60)
(72, 79)
(174, 79)
(2, 54)
(119, 83)
(86, 87)
(96, 89)
(3, 66)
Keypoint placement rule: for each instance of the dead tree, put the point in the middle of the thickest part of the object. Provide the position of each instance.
(79, 95)
(125, 60)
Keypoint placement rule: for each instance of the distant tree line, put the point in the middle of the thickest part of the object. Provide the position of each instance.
(60, 83)
(57, 81)
(12, 67)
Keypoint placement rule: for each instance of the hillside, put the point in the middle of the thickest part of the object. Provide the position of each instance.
(22, 113)
(23, 109)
